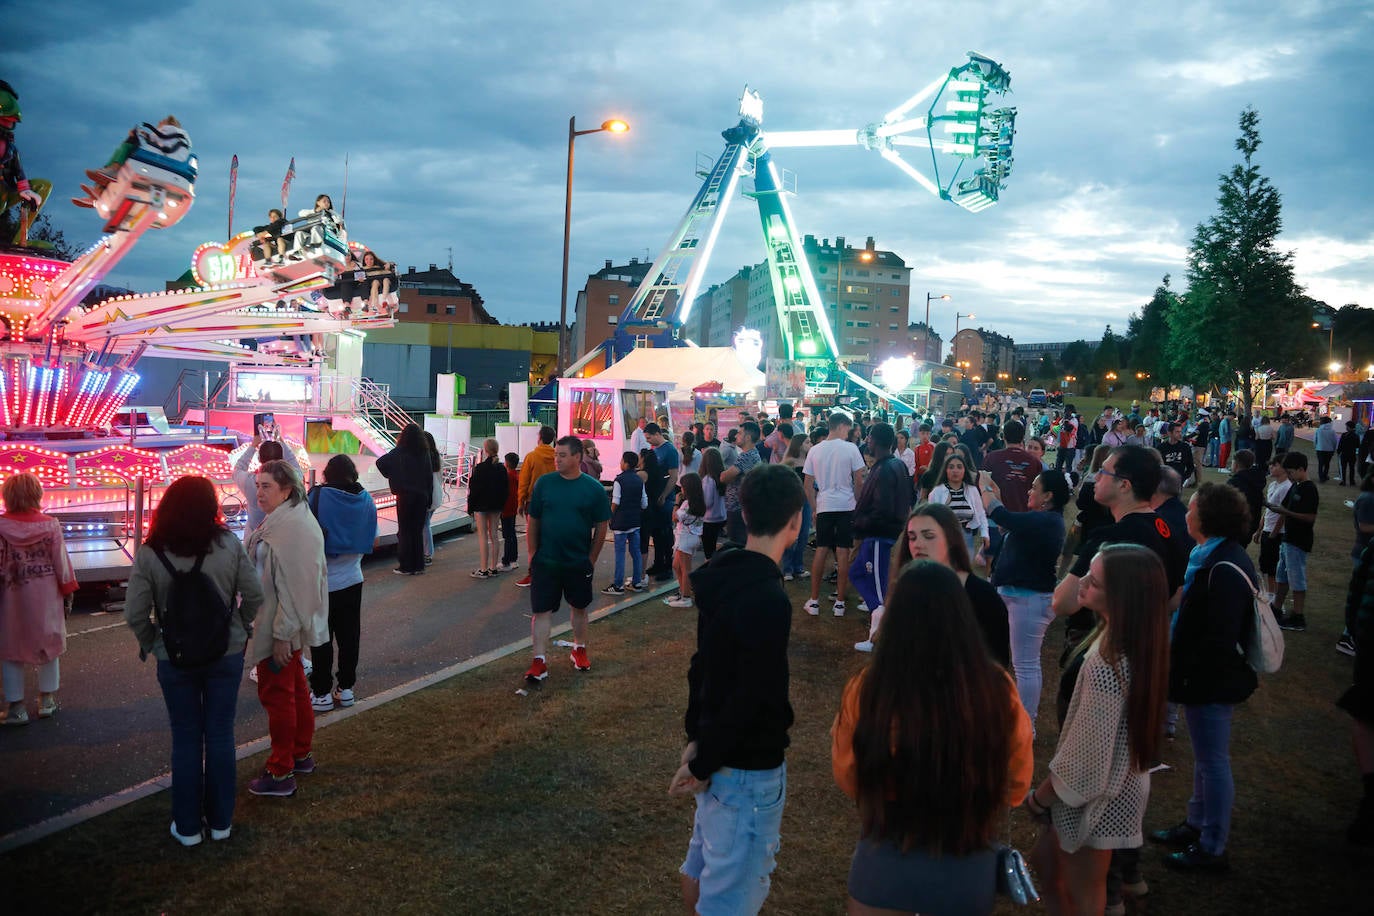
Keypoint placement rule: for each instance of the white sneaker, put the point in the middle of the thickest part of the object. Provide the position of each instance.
(253, 674)
(308, 665)
(642, 584)
(322, 704)
(680, 601)
(346, 698)
(865, 646)
(863, 607)
(813, 607)
(804, 574)
(787, 577)
(193, 840)
(838, 608)
(216, 834)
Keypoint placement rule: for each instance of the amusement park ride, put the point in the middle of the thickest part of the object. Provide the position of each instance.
(958, 126)
(67, 368)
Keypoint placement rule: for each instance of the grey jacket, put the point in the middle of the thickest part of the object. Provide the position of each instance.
(228, 567)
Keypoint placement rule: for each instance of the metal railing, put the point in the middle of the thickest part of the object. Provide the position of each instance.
(375, 407)
(484, 421)
(191, 391)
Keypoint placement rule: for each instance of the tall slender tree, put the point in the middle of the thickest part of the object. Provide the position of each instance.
(1241, 314)
(1148, 333)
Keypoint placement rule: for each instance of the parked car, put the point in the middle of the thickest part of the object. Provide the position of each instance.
(1038, 398)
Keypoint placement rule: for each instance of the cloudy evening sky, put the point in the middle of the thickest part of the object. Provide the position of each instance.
(454, 119)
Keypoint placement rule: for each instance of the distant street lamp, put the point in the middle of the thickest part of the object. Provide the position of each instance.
(1330, 336)
(929, 297)
(953, 343)
(864, 256)
(614, 126)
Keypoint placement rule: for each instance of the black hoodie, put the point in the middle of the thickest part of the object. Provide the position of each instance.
(737, 707)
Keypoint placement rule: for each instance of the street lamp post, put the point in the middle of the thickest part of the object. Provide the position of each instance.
(614, 126)
(925, 352)
(864, 256)
(953, 341)
(1330, 338)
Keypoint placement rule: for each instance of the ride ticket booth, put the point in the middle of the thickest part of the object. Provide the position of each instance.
(607, 411)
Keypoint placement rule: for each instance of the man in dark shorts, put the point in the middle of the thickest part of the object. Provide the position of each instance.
(568, 515)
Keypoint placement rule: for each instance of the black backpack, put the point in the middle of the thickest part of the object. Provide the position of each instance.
(195, 622)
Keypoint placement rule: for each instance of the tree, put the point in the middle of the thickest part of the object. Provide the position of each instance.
(1048, 369)
(1107, 356)
(1077, 357)
(1241, 314)
(42, 234)
(1148, 333)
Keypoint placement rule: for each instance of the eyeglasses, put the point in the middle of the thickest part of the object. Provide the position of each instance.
(1113, 474)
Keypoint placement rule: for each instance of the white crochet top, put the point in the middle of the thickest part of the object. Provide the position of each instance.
(1101, 796)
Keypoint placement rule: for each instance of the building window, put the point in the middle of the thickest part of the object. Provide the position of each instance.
(432, 309)
(896, 292)
(894, 310)
(863, 273)
(450, 310)
(613, 299)
(404, 308)
(862, 324)
(892, 327)
(896, 277)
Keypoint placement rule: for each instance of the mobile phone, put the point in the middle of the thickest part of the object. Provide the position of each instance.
(265, 424)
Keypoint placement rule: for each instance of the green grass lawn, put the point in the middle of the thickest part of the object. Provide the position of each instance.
(467, 798)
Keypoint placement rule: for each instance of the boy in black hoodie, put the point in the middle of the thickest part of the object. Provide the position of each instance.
(737, 708)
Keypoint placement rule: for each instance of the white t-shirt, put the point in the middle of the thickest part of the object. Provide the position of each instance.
(832, 463)
(1274, 493)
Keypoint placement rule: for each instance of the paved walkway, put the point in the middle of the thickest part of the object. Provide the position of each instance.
(111, 732)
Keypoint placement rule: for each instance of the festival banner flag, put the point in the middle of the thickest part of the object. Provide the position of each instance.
(233, 185)
(286, 183)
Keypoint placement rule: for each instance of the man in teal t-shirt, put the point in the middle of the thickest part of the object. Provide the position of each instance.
(568, 515)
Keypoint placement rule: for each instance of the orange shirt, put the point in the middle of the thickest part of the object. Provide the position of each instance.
(845, 767)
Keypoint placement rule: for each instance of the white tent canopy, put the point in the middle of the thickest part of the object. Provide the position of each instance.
(685, 368)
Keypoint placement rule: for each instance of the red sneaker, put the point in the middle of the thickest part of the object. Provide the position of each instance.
(579, 658)
(538, 670)
(525, 582)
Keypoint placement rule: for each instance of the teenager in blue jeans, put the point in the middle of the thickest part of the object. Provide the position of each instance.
(738, 711)
(201, 700)
(1206, 673)
(629, 502)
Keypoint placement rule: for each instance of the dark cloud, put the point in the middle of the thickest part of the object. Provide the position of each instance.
(454, 123)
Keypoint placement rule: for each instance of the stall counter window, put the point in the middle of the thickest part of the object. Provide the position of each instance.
(591, 413)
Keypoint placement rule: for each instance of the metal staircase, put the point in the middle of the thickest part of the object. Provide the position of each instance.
(377, 412)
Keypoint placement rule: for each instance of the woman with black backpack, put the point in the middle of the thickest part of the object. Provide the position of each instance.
(201, 694)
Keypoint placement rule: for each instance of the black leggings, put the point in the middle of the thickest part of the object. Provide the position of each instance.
(410, 526)
(345, 628)
(710, 534)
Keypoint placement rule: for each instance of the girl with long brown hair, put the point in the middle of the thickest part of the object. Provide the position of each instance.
(932, 743)
(1094, 799)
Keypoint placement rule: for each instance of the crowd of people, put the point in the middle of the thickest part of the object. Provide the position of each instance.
(933, 738)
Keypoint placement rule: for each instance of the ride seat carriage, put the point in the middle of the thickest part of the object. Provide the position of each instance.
(160, 171)
(317, 243)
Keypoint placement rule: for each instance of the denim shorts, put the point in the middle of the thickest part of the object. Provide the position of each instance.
(735, 839)
(1292, 569)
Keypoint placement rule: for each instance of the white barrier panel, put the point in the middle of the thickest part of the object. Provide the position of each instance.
(446, 394)
(529, 438)
(459, 434)
(437, 427)
(519, 402)
(508, 437)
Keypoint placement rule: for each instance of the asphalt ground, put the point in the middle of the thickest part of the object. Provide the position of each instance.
(111, 731)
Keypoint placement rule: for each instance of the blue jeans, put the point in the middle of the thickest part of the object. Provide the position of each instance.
(201, 704)
(794, 560)
(1030, 616)
(628, 540)
(735, 839)
(1214, 791)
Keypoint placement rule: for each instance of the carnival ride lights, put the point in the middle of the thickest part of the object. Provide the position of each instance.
(958, 126)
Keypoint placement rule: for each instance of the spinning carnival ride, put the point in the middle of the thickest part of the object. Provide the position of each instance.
(969, 144)
(67, 369)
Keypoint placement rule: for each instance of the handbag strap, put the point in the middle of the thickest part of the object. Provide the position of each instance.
(1253, 589)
